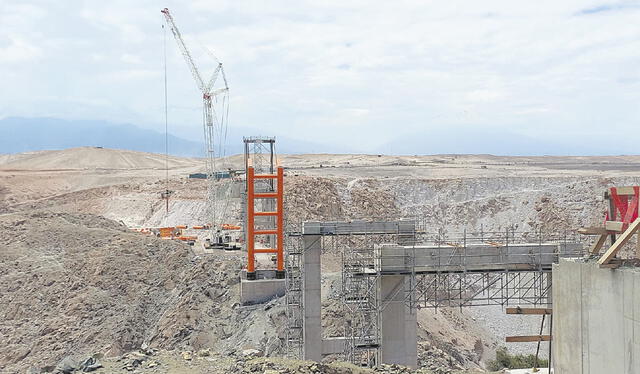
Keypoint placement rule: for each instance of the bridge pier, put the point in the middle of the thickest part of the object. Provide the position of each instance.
(398, 340)
(312, 324)
(385, 262)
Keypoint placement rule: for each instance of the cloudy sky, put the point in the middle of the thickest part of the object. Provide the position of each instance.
(357, 74)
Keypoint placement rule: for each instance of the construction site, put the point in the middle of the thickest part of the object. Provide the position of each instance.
(117, 261)
(423, 269)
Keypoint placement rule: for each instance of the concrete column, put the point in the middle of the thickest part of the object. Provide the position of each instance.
(312, 326)
(398, 322)
(411, 330)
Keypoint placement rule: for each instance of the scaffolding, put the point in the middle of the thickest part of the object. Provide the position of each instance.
(294, 332)
(471, 268)
(487, 268)
(482, 288)
(360, 296)
(260, 153)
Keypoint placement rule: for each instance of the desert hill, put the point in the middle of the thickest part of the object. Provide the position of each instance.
(93, 158)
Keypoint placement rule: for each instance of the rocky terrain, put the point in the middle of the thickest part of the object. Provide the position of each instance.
(80, 284)
(76, 282)
(150, 361)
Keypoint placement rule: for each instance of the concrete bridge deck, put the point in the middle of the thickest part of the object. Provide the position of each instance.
(427, 259)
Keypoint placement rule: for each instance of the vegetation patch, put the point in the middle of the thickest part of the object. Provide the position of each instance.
(505, 360)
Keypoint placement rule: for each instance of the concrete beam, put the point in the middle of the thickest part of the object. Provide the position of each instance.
(426, 259)
(359, 227)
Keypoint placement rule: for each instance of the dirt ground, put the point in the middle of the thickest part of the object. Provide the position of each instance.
(74, 280)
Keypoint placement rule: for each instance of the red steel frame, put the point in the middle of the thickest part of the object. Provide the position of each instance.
(624, 208)
(278, 231)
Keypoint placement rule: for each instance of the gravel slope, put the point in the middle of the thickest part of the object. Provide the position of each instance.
(79, 284)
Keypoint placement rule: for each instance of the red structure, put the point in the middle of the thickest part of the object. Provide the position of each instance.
(277, 232)
(623, 205)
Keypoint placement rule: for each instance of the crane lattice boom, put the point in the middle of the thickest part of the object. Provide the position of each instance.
(183, 49)
(215, 112)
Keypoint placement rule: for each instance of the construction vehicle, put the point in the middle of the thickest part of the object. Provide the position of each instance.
(225, 241)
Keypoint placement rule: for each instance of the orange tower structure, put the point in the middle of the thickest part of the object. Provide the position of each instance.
(277, 231)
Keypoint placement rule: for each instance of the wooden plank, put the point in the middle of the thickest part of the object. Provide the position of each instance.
(528, 338)
(620, 242)
(593, 231)
(625, 191)
(595, 248)
(611, 265)
(614, 226)
(612, 209)
(519, 310)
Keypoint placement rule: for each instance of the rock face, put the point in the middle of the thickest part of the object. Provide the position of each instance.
(81, 284)
(311, 198)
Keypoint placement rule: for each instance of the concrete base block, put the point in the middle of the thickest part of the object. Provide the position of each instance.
(596, 319)
(260, 290)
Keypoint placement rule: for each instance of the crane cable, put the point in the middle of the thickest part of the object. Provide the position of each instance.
(166, 117)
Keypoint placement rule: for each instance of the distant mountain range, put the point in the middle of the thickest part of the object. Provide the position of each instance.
(470, 140)
(19, 134)
(33, 134)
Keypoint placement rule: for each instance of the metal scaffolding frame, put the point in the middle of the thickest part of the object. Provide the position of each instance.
(443, 269)
(361, 299)
(260, 153)
(294, 308)
(482, 288)
(501, 283)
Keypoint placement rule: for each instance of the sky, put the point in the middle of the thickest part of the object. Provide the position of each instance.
(357, 74)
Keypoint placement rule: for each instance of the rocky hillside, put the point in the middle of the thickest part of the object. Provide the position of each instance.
(79, 284)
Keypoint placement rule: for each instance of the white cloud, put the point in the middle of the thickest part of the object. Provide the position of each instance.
(18, 50)
(18, 22)
(308, 68)
(131, 59)
(484, 96)
(130, 74)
